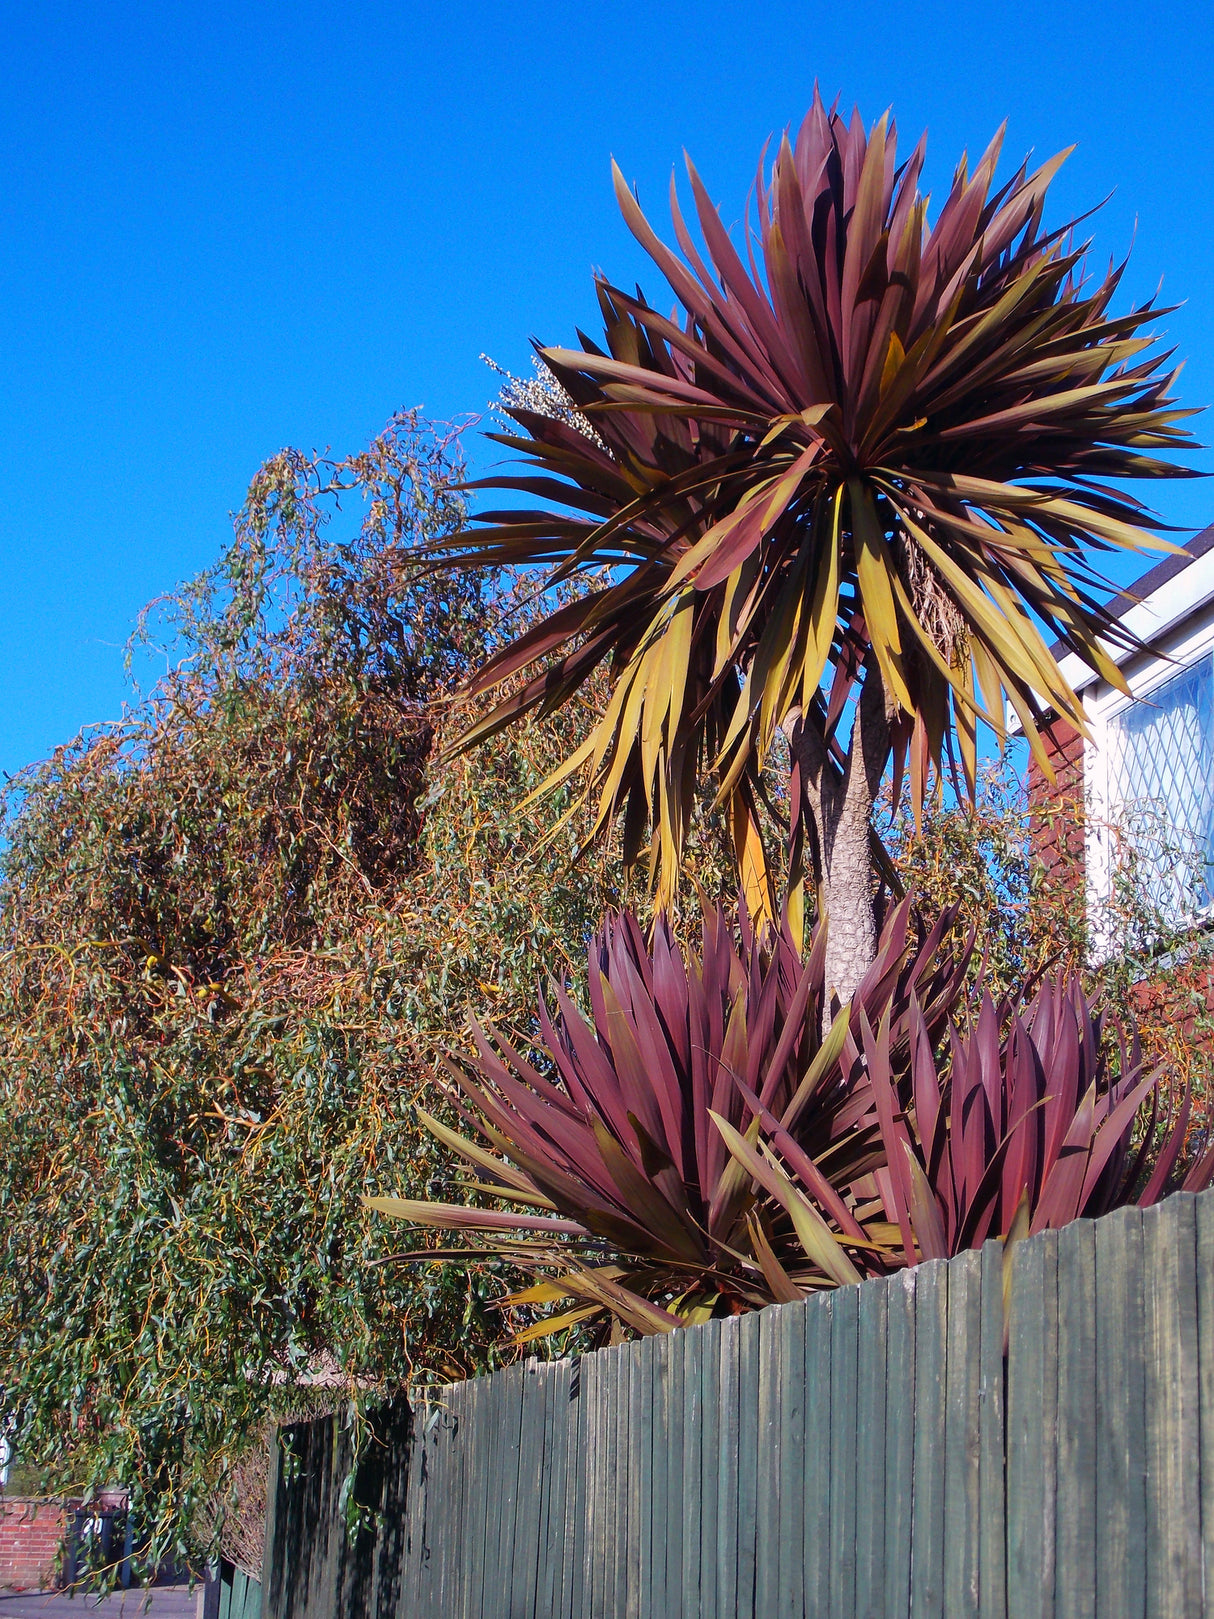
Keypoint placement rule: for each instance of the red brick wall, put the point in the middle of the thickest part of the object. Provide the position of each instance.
(1177, 1003)
(1056, 807)
(31, 1534)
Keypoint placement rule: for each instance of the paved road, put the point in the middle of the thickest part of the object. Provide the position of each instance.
(163, 1602)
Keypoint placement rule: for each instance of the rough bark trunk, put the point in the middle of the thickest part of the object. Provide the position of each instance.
(840, 804)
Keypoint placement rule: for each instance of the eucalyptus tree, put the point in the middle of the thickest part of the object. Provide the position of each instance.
(848, 494)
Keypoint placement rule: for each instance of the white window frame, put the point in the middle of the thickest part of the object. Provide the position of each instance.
(1104, 704)
(1178, 618)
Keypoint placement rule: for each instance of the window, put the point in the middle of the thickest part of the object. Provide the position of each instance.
(1161, 789)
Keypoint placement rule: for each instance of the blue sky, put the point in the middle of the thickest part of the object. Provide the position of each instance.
(226, 229)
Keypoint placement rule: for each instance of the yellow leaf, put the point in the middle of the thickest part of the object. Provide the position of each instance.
(556, 1323)
(540, 1293)
(796, 915)
(752, 863)
(895, 354)
(874, 568)
(824, 609)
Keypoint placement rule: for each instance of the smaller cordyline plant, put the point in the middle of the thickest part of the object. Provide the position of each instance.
(691, 1146)
(698, 1145)
(1038, 1115)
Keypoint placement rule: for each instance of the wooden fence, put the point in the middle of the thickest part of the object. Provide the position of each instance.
(871, 1452)
(227, 1593)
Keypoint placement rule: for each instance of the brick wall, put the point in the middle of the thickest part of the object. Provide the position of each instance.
(1056, 814)
(31, 1534)
(1180, 997)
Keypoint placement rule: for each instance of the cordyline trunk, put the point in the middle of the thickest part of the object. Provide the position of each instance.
(839, 803)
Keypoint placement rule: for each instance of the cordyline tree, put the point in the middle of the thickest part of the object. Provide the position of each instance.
(848, 496)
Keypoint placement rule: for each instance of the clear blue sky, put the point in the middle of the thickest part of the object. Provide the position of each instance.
(226, 229)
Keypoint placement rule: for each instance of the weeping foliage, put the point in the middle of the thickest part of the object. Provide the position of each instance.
(877, 446)
(237, 927)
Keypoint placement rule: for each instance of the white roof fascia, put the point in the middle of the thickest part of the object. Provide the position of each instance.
(1150, 619)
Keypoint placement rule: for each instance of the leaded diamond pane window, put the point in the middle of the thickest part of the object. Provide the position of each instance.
(1161, 781)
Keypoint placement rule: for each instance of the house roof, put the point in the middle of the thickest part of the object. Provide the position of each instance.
(1157, 602)
(1150, 581)
(1139, 595)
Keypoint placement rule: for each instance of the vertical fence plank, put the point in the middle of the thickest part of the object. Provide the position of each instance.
(520, 1547)
(1032, 1426)
(553, 1482)
(475, 1498)
(670, 1519)
(607, 1485)
(454, 1600)
(1169, 1252)
(1075, 1503)
(710, 1464)
(640, 1459)
(432, 1526)
(592, 1392)
(626, 1505)
(446, 1505)
(270, 1540)
(633, 1407)
(489, 1578)
(769, 1450)
(273, 1554)
(615, 1482)
(422, 1483)
(927, 1524)
(300, 1539)
(627, 1480)
(962, 1508)
(872, 1376)
(899, 1441)
(407, 1577)
(412, 1581)
(551, 1488)
(573, 1572)
(654, 1594)
(455, 1529)
(693, 1476)
(438, 1485)
(844, 1353)
(816, 1526)
(727, 1470)
(535, 1476)
(598, 1496)
(514, 1392)
(613, 1478)
(790, 1491)
(417, 1503)
(1204, 1223)
(749, 1328)
(992, 1545)
(1121, 1464)
(489, 1595)
(651, 1417)
(616, 1458)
